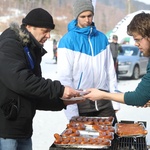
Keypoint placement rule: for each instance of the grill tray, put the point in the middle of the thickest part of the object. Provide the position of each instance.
(129, 143)
(123, 143)
(119, 143)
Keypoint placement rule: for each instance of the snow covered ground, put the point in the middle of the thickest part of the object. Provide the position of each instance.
(46, 123)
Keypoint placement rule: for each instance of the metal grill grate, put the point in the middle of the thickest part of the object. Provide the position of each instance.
(129, 143)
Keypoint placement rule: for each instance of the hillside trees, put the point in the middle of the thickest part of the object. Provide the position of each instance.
(107, 12)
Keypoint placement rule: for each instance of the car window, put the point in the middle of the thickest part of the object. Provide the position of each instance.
(129, 51)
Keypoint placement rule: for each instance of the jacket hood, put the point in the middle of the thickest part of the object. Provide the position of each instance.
(22, 34)
(87, 30)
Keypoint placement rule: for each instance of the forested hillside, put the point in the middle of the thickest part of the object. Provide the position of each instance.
(107, 13)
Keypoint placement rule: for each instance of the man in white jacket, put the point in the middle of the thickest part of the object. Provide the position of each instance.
(85, 61)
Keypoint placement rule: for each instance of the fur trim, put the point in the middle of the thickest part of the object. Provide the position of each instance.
(23, 36)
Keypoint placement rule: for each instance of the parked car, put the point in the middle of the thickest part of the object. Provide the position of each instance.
(131, 62)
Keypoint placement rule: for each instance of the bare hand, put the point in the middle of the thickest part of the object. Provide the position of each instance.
(147, 104)
(94, 94)
(69, 93)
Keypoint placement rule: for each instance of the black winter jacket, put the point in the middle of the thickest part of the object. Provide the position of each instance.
(22, 89)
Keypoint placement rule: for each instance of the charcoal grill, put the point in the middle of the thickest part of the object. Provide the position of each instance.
(129, 143)
(124, 143)
(119, 143)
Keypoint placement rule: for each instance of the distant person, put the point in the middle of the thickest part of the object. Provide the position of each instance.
(115, 48)
(139, 28)
(85, 60)
(55, 50)
(23, 89)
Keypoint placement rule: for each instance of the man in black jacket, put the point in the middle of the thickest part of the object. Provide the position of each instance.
(115, 49)
(23, 90)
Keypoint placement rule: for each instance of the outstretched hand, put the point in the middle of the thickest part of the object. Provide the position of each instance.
(94, 94)
(69, 93)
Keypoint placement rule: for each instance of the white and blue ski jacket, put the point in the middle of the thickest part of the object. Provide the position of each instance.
(85, 52)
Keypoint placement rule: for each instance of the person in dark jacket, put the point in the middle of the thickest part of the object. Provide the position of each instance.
(139, 28)
(23, 89)
(55, 50)
(115, 48)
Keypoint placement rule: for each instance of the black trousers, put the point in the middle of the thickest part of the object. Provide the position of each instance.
(116, 66)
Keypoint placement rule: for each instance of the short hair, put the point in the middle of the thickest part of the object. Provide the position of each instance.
(140, 24)
(115, 37)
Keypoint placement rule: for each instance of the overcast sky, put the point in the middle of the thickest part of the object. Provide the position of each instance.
(144, 1)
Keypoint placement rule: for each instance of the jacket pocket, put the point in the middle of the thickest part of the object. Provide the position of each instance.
(11, 109)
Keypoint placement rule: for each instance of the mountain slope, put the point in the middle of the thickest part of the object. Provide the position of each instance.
(107, 12)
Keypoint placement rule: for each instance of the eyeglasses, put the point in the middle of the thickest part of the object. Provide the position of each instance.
(138, 40)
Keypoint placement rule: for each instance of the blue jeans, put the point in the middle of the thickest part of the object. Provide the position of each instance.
(15, 144)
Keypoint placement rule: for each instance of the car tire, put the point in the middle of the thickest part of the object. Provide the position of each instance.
(136, 72)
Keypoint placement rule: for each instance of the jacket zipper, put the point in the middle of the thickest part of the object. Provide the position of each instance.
(96, 105)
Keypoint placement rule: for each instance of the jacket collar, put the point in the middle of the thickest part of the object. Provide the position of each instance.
(26, 37)
(72, 26)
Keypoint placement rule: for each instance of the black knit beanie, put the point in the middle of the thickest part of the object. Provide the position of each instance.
(39, 18)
